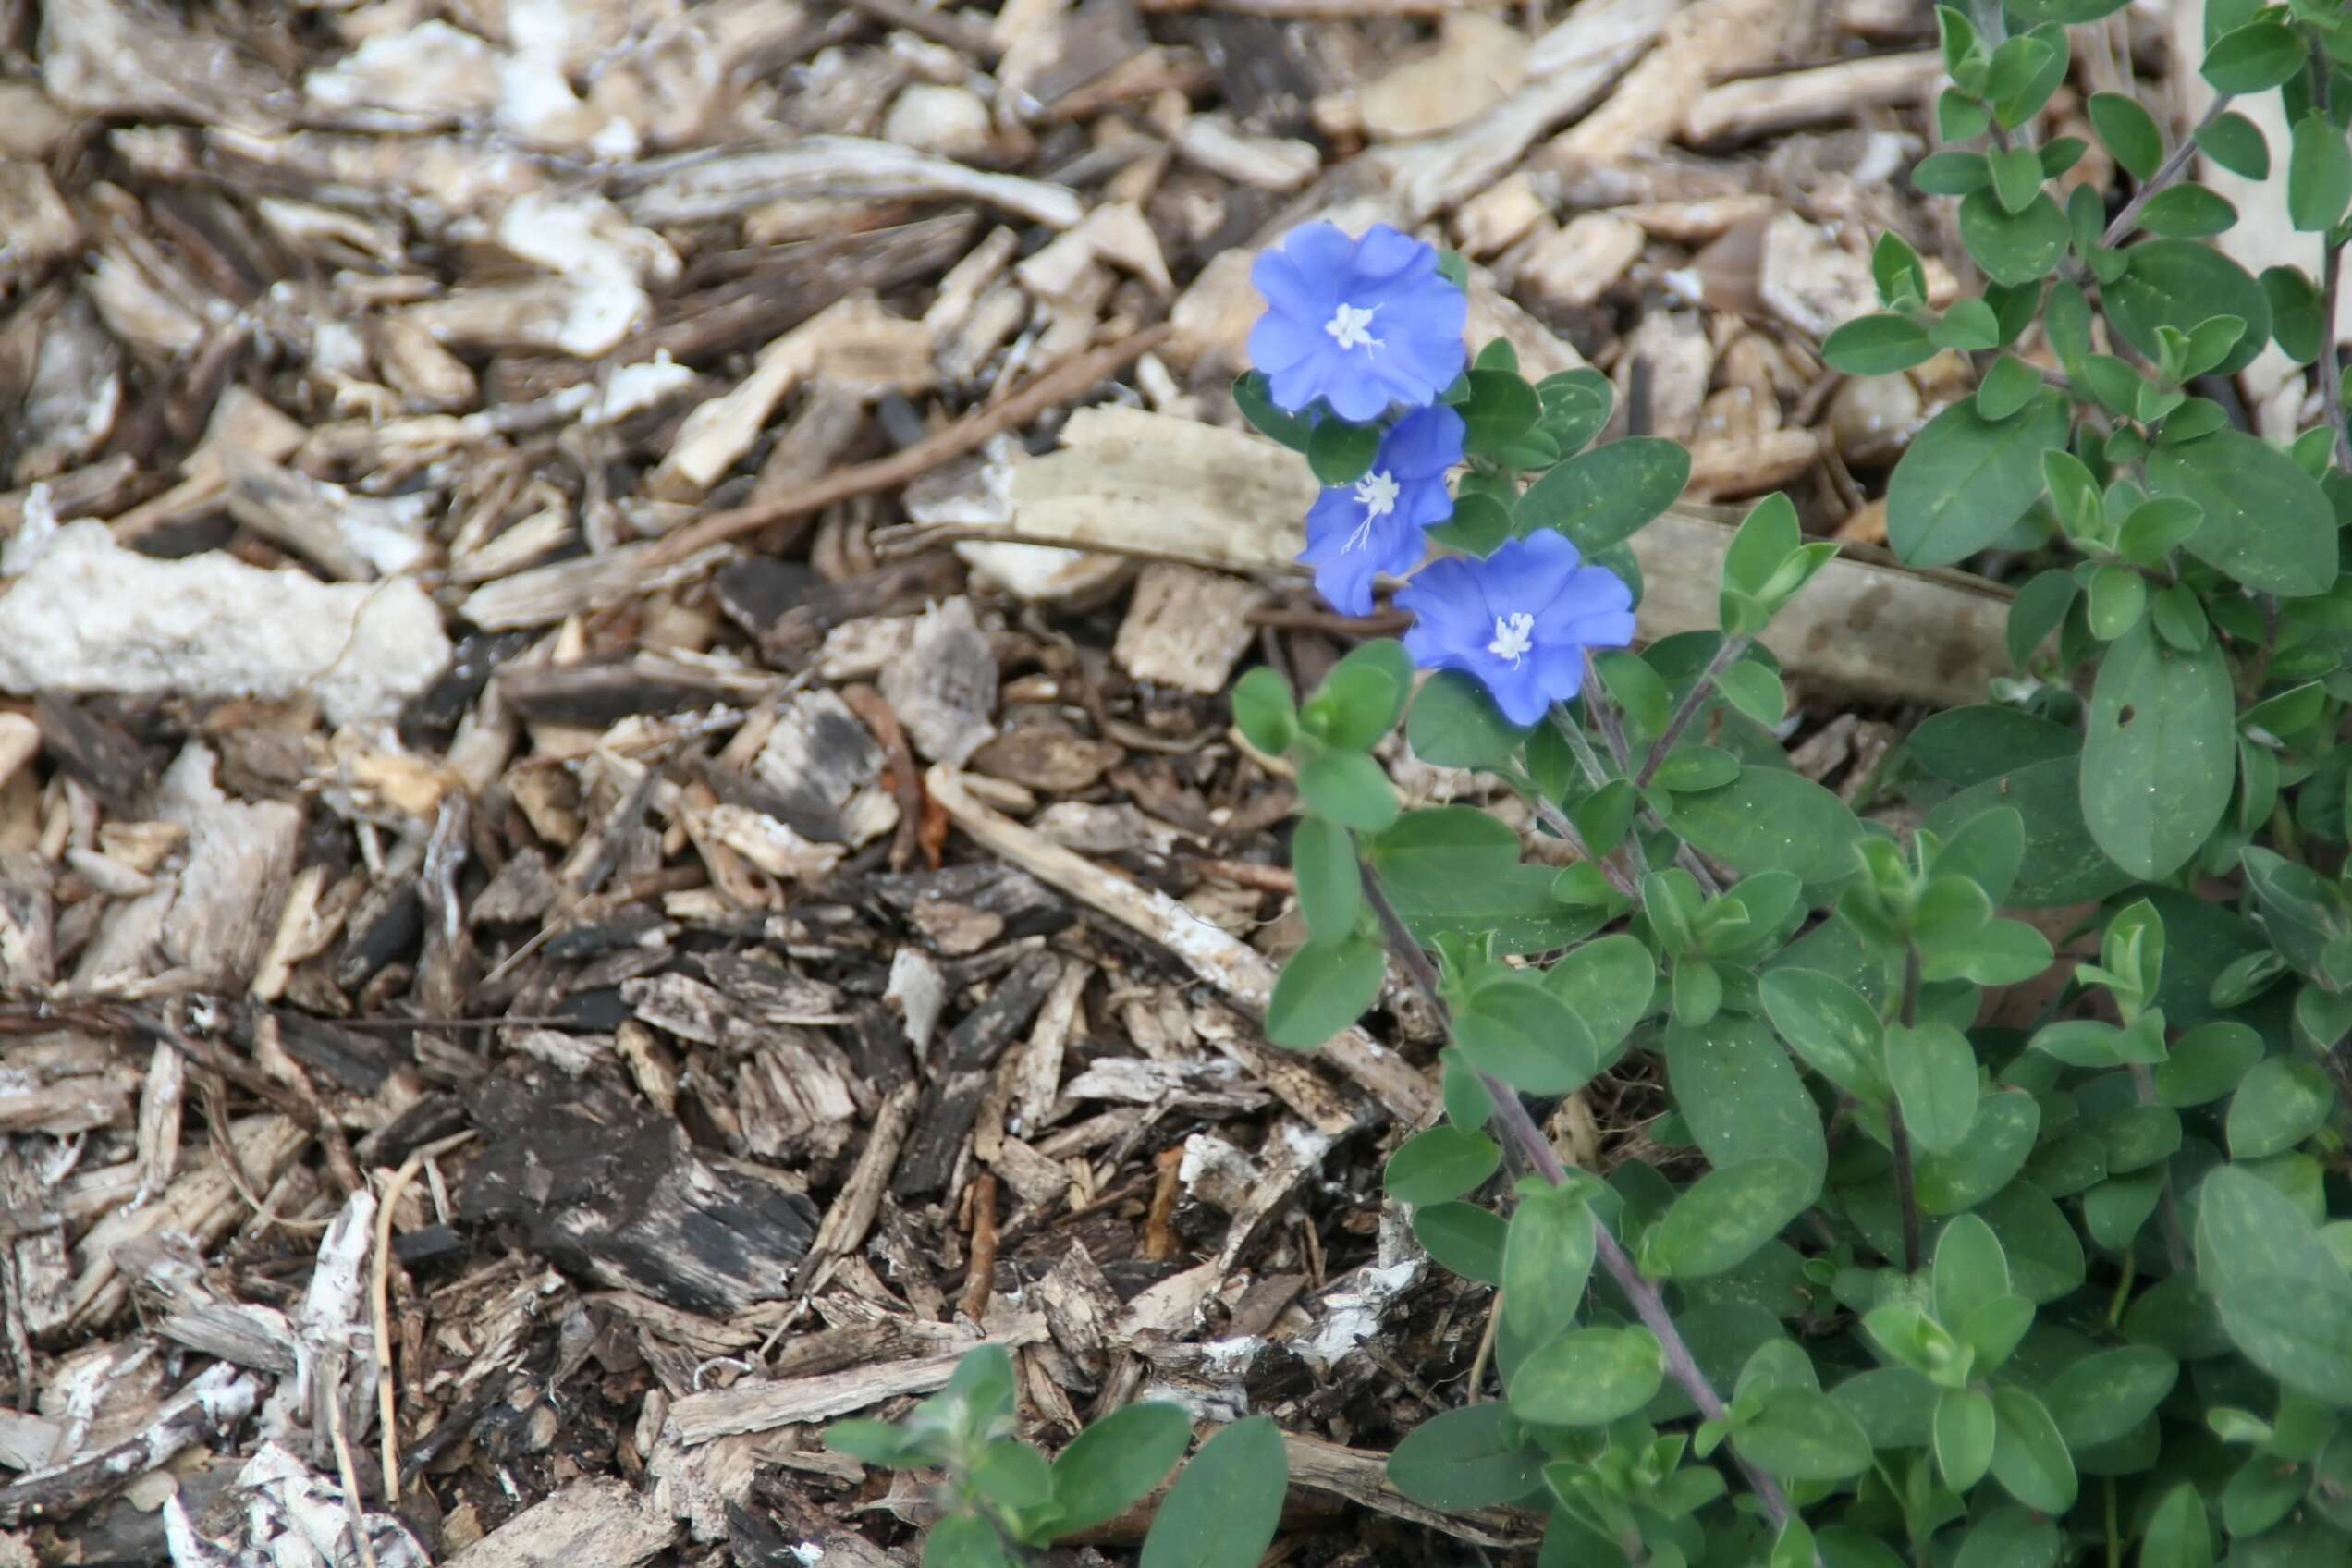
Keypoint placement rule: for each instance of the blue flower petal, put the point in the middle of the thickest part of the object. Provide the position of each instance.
(1470, 617)
(1367, 324)
(1424, 444)
(1290, 290)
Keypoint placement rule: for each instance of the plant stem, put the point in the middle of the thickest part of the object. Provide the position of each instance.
(1520, 1131)
(1559, 822)
(2330, 290)
(1589, 762)
(1605, 714)
(2177, 1251)
(1693, 700)
(2166, 172)
(1899, 1136)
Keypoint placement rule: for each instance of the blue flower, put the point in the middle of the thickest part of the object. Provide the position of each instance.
(1361, 323)
(1519, 621)
(1356, 531)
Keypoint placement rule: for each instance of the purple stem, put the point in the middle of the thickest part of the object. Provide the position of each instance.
(1519, 1127)
(1693, 700)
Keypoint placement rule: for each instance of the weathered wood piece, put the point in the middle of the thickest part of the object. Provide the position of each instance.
(606, 1188)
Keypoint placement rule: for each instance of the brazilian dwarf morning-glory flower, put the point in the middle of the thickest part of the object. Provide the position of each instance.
(1518, 621)
(1355, 531)
(1360, 322)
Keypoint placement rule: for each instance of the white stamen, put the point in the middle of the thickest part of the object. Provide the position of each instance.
(1377, 492)
(1514, 637)
(1350, 326)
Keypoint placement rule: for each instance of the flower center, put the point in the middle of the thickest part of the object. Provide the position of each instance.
(1377, 493)
(1350, 326)
(1514, 636)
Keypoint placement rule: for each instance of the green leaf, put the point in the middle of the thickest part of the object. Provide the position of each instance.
(2128, 131)
(1330, 887)
(2016, 177)
(1250, 395)
(1722, 1219)
(1013, 1475)
(1547, 1258)
(884, 1444)
(2179, 284)
(1262, 711)
(2207, 1064)
(2021, 247)
(2251, 58)
(1438, 1165)
(2159, 759)
(1577, 404)
(2065, 11)
(2178, 1535)
(1990, 1159)
(1989, 850)
(1771, 819)
(2029, 1458)
(1501, 409)
(1341, 453)
(1969, 745)
(1801, 1435)
(2105, 1395)
(1521, 1034)
(2008, 386)
(1588, 1378)
(1968, 326)
(1479, 526)
(1225, 1508)
(1951, 173)
(1828, 1023)
(1463, 1238)
(1455, 724)
(2295, 305)
(1965, 1432)
(1609, 983)
(2038, 609)
(1878, 345)
(2318, 175)
(2186, 212)
(1513, 907)
(1116, 1462)
(965, 1540)
(1688, 769)
(2283, 1101)
(2155, 528)
(2236, 142)
(1350, 789)
(1935, 1074)
(1475, 1456)
(2248, 1229)
(1754, 692)
(2062, 864)
(2011, 1537)
(1605, 494)
(1361, 700)
(1442, 844)
(1970, 1269)
(1965, 479)
(2267, 523)
(2302, 1339)
(1764, 540)
(1324, 988)
(1741, 1095)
